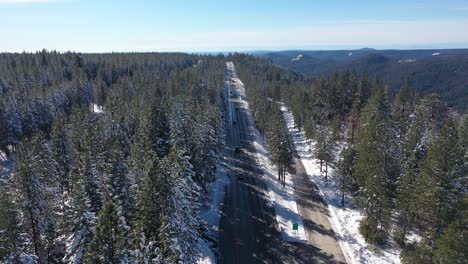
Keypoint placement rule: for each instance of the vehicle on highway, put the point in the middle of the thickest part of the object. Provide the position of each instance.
(237, 149)
(240, 176)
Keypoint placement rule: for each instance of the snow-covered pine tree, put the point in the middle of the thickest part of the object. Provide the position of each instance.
(403, 107)
(440, 184)
(108, 244)
(10, 239)
(181, 225)
(151, 199)
(118, 149)
(37, 185)
(83, 221)
(414, 144)
(376, 167)
(344, 172)
(324, 147)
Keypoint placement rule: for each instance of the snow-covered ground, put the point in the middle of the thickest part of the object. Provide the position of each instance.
(344, 220)
(283, 199)
(403, 61)
(5, 165)
(298, 57)
(98, 109)
(211, 213)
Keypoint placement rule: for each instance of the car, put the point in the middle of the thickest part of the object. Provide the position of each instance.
(240, 177)
(237, 149)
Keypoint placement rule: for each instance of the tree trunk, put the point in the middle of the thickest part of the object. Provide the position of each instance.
(321, 164)
(342, 198)
(326, 171)
(35, 235)
(284, 176)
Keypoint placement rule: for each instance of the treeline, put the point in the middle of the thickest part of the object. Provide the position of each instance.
(111, 155)
(402, 160)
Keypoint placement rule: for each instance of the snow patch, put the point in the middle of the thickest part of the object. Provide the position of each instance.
(436, 54)
(298, 57)
(406, 61)
(97, 109)
(211, 213)
(350, 54)
(3, 156)
(344, 220)
(207, 255)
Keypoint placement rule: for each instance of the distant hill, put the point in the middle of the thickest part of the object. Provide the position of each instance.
(440, 71)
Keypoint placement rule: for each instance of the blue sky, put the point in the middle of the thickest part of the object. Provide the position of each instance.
(209, 25)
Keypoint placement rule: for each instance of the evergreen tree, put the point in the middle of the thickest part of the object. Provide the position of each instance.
(403, 107)
(108, 243)
(83, 219)
(324, 148)
(150, 205)
(344, 172)
(10, 242)
(440, 182)
(421, 132)
(452, 243)
(180, 223)
(36, 181)
(375, 167)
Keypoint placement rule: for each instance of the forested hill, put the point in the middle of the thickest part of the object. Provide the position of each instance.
(428, 71)
(111, 154)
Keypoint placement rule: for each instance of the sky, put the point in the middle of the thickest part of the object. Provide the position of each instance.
(241, 25)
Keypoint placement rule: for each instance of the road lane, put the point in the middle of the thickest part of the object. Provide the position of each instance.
(248, 228)
(248, 223)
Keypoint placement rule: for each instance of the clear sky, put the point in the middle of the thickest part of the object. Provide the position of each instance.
(217, 25)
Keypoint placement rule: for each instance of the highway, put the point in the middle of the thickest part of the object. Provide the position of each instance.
(248, 231)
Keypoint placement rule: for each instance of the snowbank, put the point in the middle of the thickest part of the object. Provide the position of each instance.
(344, 220)
(211, 213)
(281, 197)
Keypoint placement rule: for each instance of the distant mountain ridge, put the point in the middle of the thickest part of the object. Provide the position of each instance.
(444, 72)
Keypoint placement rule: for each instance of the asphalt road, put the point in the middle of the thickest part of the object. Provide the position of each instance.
(314, 214)
(248, 229)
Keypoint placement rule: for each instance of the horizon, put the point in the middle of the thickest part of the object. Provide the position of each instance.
(209, 26)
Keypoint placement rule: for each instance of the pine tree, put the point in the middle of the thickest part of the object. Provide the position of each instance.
(83, 219)
(453, 242)
(108, 243)
(180, 223)
(440, 182)
(150, 203)
(344, 172)
(403, 107)
(324, 148)
(10, 242)
(419, 135)
(375, 167)
(36, 182)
